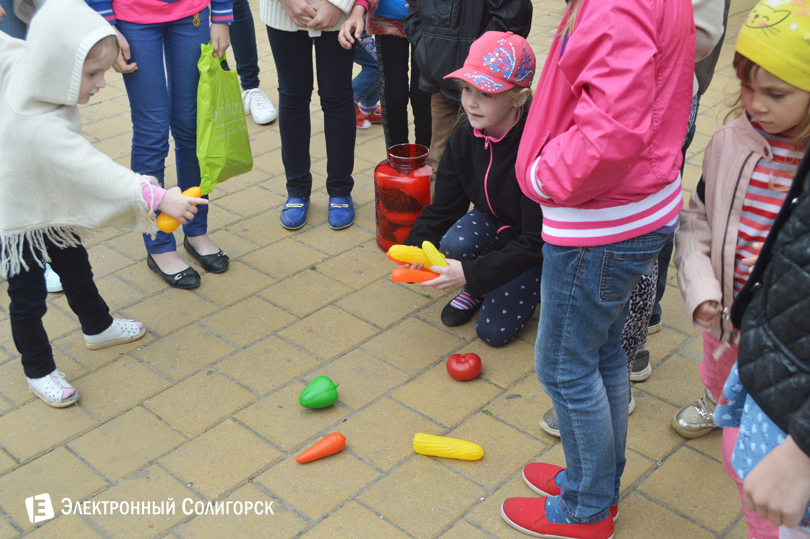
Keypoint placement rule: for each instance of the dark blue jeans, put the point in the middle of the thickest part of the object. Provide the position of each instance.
(28, 294)
(243, 41)
(507, 309)
(292, 52)
(366, 85)
(10, 24)
(580, 362)
(160, 105)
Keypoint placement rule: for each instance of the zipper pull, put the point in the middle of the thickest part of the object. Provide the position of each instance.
(196, 21)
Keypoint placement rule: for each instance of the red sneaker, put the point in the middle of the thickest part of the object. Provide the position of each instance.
(540, 476)
(362, 121)
(376, 116)
(528, 515)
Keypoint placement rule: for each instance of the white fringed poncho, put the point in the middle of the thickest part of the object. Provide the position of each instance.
(53, 183)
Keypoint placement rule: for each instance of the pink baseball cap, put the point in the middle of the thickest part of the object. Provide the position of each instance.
(498, 61)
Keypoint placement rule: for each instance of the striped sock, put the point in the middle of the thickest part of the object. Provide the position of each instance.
(465, 301)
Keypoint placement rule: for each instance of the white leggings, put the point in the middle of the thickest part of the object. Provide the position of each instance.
(793, 533)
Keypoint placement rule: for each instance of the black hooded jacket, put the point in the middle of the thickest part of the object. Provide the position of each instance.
(443, 30)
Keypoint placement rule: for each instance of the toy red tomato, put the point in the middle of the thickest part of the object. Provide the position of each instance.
(464, 366)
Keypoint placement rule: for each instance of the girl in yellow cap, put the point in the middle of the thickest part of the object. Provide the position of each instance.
(747, 170)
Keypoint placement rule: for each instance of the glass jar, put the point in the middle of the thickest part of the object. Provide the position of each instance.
(401, 190)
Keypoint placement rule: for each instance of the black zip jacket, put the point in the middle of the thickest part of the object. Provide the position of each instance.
(773, 312)
(443, 30)
(471, 168)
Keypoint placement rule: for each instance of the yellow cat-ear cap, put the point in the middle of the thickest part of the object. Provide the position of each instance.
(776, 36)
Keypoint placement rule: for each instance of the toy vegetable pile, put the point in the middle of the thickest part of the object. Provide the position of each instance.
(428, 256)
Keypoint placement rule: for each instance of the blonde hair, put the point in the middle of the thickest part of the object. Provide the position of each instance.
(570, 17)
(746, 70)
(107, 43)
(513, 92)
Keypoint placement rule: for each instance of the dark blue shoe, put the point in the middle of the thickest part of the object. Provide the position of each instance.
(341, 212)
(294, 213)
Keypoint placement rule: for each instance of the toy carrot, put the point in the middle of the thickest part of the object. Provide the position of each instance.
(169, 224)
(404, 275)
(328, 445)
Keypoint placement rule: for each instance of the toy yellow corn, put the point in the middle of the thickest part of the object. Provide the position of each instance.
(433, 255)
(448, 448)
(408, 254)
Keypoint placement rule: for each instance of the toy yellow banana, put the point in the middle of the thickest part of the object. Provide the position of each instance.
(449, 448)
(408, 254)
(433, 255)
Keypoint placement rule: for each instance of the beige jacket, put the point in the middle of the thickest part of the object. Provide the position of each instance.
(706, 241)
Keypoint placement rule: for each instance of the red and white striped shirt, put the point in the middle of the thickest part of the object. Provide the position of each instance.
(764, 197)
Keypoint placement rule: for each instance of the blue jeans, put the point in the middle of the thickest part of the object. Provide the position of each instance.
(292, 52)
(243, 41)
(507, 309)
(581, 364)
(159, 105)
(10, 23)
(366, 85)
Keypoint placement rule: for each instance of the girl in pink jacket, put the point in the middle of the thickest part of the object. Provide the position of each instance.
(601, 154)
(747, 170)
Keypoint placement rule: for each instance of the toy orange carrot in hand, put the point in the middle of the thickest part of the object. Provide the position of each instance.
(166, 222)
(329, 445)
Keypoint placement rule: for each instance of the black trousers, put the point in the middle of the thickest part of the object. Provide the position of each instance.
(396, 91)
(28, 294)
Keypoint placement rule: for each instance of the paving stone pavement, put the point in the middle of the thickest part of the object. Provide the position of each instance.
(205, 407)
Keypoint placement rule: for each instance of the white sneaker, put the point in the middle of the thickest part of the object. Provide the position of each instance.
(120, 332)
(52, 281)
(54, 390)
(257, 104)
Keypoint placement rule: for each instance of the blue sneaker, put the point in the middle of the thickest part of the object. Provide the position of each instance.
(341, 212)
(294, 213)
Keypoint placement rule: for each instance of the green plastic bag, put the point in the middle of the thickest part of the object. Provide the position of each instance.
(223, 144)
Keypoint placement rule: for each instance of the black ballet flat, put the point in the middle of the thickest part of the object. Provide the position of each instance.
(188, 278)
(215, 263)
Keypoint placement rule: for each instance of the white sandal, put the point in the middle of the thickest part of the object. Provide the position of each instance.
(54, 390)
(120, 331)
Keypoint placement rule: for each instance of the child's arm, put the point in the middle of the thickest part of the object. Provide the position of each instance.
(778, 488)
(697, 281)
(177, 205)
(413, 23)
(221, 17)
(352, 29)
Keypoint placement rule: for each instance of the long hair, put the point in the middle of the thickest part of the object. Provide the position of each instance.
(570, 17)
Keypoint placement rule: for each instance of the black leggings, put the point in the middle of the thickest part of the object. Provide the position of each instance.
(28, 294)
(396, 90)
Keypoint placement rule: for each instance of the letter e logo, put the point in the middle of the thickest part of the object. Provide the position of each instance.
(39, 508)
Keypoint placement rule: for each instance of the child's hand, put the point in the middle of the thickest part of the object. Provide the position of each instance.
(752, 260)
(2, 12)
(327, 15)
(706, 314)
(177, 205)
(121, 64)
(220, 39)
(449, 278)
(778, 488)
(300, 11)
(353, 27)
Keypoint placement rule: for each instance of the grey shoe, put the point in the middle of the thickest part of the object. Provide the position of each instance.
(549, 420)
(641, 369)
(697, 419)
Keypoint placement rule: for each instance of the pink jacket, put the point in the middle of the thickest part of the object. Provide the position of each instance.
(706, 242)
(602, 147)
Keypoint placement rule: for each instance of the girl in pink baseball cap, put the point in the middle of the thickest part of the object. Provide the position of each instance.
(478, 168)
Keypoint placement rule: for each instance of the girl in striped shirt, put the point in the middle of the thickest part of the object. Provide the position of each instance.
(747, 170)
